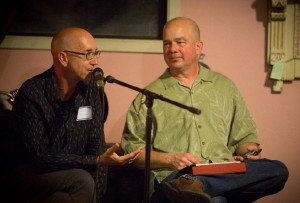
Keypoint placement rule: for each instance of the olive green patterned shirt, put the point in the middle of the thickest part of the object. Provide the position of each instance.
(213, 135)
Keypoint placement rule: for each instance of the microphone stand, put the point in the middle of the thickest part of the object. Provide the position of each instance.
(150, 96)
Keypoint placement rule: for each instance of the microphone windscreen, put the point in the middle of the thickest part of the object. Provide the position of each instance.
(98, 72)
(98, 77)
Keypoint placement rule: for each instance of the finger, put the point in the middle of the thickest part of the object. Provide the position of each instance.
(238, 158)
(115, 147)
(194, 160)
(132, 155)
(186, 162)
(129, 158)
(252, 157)
(130, 161)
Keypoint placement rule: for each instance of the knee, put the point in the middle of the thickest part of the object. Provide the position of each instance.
(275, 175)
(281, 172)
(83, 179)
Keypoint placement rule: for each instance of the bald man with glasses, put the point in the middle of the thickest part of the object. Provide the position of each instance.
(60, 153)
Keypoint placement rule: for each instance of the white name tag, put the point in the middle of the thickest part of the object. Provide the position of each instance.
(84, 113)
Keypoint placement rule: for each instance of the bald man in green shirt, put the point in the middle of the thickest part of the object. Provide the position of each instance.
(223, 132)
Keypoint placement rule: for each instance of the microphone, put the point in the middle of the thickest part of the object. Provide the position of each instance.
(98, 77)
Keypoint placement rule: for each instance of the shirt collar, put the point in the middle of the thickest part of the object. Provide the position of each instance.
(52, 87)
(205, 75)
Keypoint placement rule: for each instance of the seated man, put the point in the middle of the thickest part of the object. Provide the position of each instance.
(224, 131)
(59, 117)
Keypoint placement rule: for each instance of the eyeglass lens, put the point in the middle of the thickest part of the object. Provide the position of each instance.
(91, 55)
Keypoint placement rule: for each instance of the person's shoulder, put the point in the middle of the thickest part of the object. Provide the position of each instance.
(220, 78)
(221, 83)
(35, 82)
(155, 86)
(158, 85)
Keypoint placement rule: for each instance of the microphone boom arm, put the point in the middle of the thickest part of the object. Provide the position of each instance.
(153, 95)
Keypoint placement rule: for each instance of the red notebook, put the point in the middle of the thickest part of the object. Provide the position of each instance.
(216, 168)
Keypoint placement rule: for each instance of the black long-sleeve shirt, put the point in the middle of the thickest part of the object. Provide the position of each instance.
(50, 133)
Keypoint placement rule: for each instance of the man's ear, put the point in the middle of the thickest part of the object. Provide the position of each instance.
(199, 46)
(63, 59)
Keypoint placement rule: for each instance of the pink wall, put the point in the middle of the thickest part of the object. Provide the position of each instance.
(235, 40)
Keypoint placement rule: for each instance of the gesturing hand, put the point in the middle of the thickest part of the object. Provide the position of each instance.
(110, 157)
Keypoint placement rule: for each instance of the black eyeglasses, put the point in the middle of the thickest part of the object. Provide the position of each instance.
(88, 55)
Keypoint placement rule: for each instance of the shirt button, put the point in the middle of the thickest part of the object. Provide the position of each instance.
(203, 143)
(199, 126)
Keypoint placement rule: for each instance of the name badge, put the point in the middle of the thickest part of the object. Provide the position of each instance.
(84, 113)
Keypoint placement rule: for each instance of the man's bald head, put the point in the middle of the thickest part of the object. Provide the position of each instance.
(71, 38)
(185, 23)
